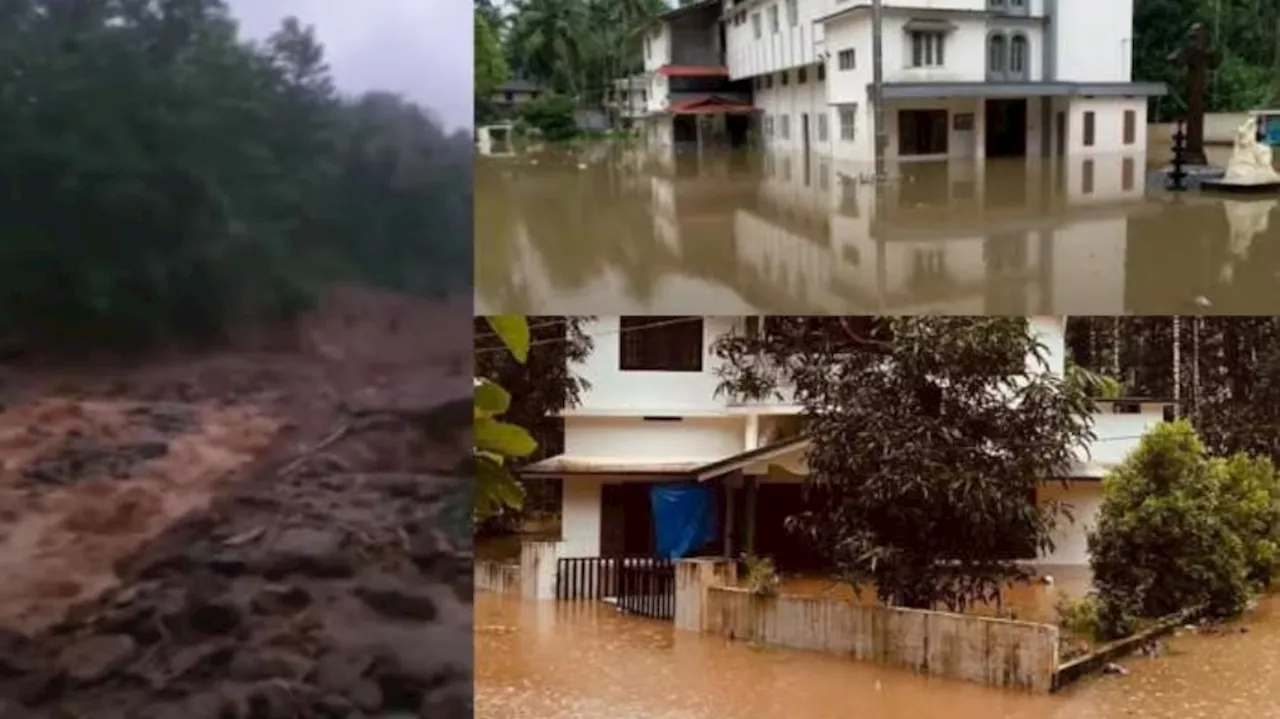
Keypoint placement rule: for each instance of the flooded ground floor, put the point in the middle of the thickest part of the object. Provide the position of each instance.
(559, 660)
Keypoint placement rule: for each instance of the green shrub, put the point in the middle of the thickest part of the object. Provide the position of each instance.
(1178, 529)
(1079, 617)
(552, 115)
(762, 575)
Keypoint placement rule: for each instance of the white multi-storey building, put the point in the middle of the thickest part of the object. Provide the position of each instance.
(961, 78)
(652, 416)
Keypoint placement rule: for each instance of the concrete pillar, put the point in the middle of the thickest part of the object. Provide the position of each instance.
(693, 578)
(538, 564)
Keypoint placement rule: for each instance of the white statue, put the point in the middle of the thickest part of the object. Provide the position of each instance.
(1250, 161)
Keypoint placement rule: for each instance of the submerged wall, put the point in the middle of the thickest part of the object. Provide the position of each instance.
(997, 652)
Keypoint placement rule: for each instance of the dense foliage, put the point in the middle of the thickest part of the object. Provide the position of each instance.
(1181, 529)
(490, 64)
(497, 441)
(545, 383)
(576, 47)
(1248, 75)
(551, 115)
(930, 437)
(168, 179)
(1225, 371)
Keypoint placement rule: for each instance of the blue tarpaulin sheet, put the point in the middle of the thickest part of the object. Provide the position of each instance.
(684, 518)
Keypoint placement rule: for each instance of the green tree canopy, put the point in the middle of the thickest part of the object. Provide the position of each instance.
(930, 437)
(168, 179)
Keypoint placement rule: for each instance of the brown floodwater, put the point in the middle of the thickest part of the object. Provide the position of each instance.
(560, 660)
(611, 230)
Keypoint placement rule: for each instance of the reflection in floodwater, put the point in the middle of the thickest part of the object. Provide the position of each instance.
(552, 660)
(618, 234)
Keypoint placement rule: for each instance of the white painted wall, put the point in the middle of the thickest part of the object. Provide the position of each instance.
(580, 517)
(1094, 40)
(792, 45)
(659, 96)
(617, 392)
(794, 101)
(692, 439)
(1070, 538)
(1108, 135)
(657, 50)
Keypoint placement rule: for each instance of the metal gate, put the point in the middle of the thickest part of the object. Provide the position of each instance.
(645, 586)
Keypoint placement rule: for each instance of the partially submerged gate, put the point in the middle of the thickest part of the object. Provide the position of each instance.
(645, 586)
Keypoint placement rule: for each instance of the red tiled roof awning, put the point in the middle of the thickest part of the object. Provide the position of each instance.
(693, 71)
(710, 106)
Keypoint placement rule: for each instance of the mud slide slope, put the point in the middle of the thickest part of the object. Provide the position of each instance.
(223, 539)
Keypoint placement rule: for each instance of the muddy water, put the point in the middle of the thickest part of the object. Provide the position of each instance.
(76, 496)
(616, 231)
(554, 660)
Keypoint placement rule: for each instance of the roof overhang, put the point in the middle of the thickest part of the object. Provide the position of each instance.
(930, 90)
(711, 106)
(693, 71)
(564, 465)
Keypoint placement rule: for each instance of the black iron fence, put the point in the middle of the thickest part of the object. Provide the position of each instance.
(640, 585)
(648, 589)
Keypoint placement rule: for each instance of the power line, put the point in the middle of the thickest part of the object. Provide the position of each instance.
(603, 333)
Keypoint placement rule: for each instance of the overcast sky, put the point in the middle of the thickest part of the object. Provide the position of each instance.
(420, 48)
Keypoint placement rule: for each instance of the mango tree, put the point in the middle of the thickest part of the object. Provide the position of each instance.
(497, 443)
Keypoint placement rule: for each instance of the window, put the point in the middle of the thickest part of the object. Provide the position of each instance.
(774, 26)
(1126, 174)
(822, 126)
(508, 97)
(922, 132)
(768, 81)
(996, 53)
(1130, 126)
(768, 125)
(669, 344)
(755, 24)
(1086, 178)
(1088, 129)
(848, 122)
(1018, 56)
(802, 74)
(927, 49)
(784, 126)
(793, 13)
(847, 59)
(822, 72)
(786, 77)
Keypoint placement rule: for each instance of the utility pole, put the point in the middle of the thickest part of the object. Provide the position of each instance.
(877, 82)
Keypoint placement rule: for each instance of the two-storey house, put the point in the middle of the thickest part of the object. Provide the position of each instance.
(692, 101)
(652, 420)
(961, 78)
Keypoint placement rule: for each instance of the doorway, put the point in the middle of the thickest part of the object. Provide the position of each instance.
(738, 128)
(684, 129)
(922, 132)
(626, 522)
(804, 132)
(1006, 128)
(1060, 134)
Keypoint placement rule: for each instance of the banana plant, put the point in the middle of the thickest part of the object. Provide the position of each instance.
(498, 443)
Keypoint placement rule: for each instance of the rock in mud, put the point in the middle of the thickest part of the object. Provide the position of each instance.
(391, 598)
(93, 658)
(309, 551)
(280, 599)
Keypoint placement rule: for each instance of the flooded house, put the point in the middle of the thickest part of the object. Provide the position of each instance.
(962, 79)
(657, 463)
(692, 102)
